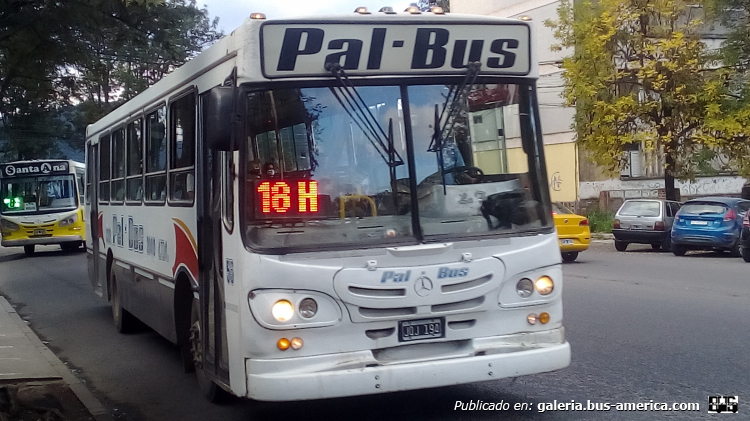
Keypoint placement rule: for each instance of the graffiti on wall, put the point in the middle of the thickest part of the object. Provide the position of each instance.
(556, 182)
(705, 186)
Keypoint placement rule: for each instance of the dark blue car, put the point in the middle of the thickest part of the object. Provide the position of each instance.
(709, 223)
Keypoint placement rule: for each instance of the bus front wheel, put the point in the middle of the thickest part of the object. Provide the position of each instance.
(210, 390)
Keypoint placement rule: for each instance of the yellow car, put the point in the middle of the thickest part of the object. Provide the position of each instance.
(573, 232)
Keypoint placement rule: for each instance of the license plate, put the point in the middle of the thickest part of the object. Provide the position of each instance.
(636, 227)
(567, 242)
(699, 222)
(413, 330)
(40, 232)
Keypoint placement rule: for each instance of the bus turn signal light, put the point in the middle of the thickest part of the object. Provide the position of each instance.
(544, 318)
(283, 344)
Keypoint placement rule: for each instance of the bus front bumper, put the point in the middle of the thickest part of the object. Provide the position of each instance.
(360, 373)
(57, 239)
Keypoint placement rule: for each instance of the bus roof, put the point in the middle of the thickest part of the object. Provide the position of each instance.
(376, 45)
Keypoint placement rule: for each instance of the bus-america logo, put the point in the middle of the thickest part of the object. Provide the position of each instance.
(304, 50)
(11, 170)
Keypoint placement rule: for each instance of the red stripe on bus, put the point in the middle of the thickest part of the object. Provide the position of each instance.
(185, 253)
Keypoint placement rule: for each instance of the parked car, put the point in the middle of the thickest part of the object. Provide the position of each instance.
(573, 232)
(645, 221)
(709, 223)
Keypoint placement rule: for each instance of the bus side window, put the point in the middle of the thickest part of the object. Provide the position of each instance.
(156, 156)
(104, 169)
(79, 180)
(134, 142)
(182, 149)
(118, 165)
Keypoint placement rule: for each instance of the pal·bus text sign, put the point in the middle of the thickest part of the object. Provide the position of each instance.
(293, 50)
(33, 168)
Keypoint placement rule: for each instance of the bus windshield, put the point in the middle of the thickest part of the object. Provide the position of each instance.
(330, 166)
(38, 194)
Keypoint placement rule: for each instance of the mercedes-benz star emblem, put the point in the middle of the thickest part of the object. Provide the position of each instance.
(423, 286)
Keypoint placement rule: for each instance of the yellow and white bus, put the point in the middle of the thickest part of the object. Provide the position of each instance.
(41, 202)
(336, 206)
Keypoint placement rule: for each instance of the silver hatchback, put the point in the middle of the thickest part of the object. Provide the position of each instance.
(645, 221)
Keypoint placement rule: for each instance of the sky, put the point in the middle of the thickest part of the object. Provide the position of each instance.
(232, 13)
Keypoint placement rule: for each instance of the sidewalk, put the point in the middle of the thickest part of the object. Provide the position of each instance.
(34, 383)
(602, 237)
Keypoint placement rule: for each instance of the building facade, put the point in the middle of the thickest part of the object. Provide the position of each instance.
(573, 178)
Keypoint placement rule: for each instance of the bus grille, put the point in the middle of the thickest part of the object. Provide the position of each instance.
(403, 292)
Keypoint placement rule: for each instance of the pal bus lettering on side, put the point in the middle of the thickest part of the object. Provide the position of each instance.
(292, 51)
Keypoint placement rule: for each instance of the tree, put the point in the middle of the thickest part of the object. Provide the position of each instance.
(639, 74)
(729, 121)
(56, 54)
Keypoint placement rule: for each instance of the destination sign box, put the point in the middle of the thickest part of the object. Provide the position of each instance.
(33, 168)
(295, 50)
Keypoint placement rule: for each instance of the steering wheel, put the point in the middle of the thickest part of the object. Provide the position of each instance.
(465, 174)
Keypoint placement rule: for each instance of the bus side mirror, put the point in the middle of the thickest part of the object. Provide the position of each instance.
(219, 111)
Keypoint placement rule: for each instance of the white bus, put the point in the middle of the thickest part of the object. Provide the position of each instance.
(41, 202)
(336, 206)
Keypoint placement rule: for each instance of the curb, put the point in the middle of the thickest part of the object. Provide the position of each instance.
(94, 406)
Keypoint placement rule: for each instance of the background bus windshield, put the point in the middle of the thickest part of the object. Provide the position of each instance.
(37, 194)
(330, 166)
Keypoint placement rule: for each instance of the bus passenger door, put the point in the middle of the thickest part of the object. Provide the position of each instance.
(211, 257)
(93, 234)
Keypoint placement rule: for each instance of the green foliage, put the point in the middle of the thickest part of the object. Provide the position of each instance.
(73, 61)
(639, 73)
(600, 221)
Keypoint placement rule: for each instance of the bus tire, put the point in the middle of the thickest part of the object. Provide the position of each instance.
(122, 318)
(28, 249)
(210, 390)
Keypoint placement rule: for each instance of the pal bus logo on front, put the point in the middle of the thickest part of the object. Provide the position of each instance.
(304, 50)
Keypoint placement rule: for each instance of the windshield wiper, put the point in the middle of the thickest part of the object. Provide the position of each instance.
(456, 97)
(360, 113)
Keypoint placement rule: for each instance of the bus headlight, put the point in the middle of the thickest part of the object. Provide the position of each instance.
(282, 310)
(7, 225)
(72, 219)
(544, 285)
(525, 288)
(308, 308)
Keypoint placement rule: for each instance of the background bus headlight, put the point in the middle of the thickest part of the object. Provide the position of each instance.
(282, 310)
(72, 219)
(6, 225)
(308, 308)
